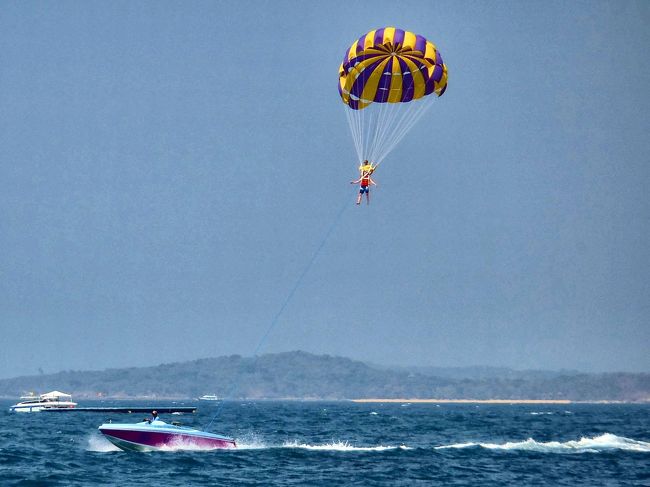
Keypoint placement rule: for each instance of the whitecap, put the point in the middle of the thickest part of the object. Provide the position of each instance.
(456, 445)
(604, 442)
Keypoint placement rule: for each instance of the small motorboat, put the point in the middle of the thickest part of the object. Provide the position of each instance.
(51, 400)
(158, 435)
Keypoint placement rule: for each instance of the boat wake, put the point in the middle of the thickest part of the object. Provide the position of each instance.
(254, 442)
(341, 446)
(604, 442)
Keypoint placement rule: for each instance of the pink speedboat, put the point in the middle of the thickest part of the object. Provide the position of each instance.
(158, 435)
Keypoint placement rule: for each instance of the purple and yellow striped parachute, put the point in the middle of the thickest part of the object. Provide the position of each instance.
(390, 65)
(385, 81)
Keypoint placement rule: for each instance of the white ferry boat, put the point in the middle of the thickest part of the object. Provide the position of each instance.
(51, 400)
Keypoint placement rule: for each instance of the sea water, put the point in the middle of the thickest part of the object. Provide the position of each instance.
(343, 443)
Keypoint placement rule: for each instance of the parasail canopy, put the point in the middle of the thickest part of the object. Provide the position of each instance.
(390, 65)
(397, 70)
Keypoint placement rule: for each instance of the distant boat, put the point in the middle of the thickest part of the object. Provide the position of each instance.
(209, 397)
(51, 400)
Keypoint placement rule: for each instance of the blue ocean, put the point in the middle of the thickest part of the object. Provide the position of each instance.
(343, 443)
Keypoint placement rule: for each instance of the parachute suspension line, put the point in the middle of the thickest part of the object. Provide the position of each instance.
(360, 117)
(364, 127)
(356, 119)
(392, 129)
(381, 117)
(388, 130)
(406, 123)
(236, 384)
(354, 130)
(377, 129)
(386, 120)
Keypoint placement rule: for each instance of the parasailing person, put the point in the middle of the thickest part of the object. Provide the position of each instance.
(364, 181)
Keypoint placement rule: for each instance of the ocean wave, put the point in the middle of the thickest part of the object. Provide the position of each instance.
(604, 442)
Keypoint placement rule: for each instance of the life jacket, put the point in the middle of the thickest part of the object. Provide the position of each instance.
(366, 170)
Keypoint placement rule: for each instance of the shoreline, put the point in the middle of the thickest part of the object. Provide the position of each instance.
(469, 401)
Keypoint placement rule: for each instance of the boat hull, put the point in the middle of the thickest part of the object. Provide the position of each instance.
(162, 436)
(38, 407)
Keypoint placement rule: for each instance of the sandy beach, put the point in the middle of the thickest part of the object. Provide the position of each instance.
(471, 401)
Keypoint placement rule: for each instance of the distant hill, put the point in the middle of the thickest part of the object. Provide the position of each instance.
(479, 372)
(303, 375)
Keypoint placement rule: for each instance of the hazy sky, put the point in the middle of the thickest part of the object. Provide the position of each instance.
(168, 169)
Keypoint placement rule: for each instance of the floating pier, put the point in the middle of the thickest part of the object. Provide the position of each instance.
(126, 409)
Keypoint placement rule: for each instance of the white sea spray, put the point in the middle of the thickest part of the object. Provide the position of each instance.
(604, 442)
